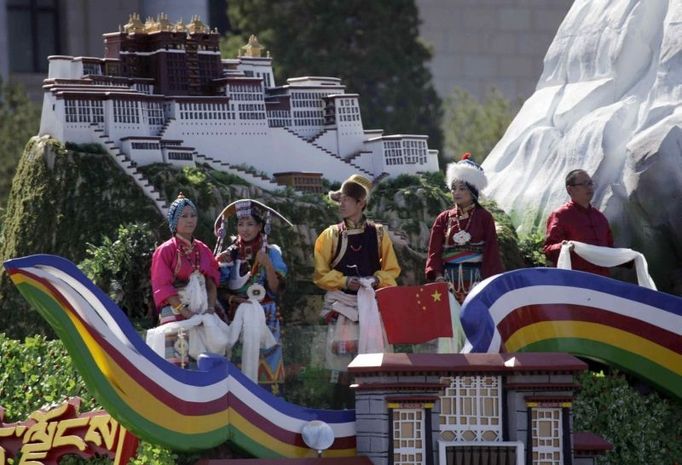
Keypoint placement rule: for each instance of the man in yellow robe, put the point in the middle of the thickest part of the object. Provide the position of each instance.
(350, 255)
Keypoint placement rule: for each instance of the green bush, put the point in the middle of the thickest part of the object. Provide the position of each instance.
(58, 203)
(36, 373)
(120, 267)
(39, 372)
(644, 429)
(530, 247)
(86, 148)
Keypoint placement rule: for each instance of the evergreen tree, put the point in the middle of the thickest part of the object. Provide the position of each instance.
(473, 126)
(372, 46)
(19, 120)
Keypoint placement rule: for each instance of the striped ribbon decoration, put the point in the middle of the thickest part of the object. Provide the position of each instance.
(157, 401)
(636, 329)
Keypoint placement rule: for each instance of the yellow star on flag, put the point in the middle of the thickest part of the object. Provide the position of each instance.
(436, 296)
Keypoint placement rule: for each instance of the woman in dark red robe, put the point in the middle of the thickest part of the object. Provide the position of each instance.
(463, 247)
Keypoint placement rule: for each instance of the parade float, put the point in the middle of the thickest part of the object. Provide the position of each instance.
(506, 399)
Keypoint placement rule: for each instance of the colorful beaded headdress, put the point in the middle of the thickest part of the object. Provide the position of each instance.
(175, 210)
(242, 209)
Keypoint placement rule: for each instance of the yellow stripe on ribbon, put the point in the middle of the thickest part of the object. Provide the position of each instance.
(618, 338)
(143, 402)
(281, 448)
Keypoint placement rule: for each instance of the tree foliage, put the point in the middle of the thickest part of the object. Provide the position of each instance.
(58, 204)
(120, 267)
(372, 46)
(473, 126)
(19, 120)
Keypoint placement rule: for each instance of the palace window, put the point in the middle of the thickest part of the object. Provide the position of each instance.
(246, 92)
(311, 106)
(144, 88)
(84, 111)
(145, 146)
(547, 447)
(97, 109)
(251, 110)
(154, 113)
(279, 118)
(92, 69)
(176, 67)
(348, 110)
(71, 111)
(393, 152)
(414, 151)
(186, 156)
(471, 409)
(409, 445)
(209, 111)
(126, 111)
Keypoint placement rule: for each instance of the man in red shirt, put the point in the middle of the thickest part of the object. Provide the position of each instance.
(577, 220)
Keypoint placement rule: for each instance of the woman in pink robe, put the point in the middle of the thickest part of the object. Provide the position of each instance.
(177, 262)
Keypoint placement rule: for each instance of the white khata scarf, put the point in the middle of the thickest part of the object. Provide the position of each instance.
(607, 257)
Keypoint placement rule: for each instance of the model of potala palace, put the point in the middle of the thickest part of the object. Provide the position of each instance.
(162, 94)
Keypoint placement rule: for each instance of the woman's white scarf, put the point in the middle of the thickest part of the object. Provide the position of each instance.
(205, 332)
(194, 294)
(249, 321)
(606, 257)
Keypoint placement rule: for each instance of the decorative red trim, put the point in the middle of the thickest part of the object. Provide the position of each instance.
(543, 386)
(411, 399)
(587, 443)
(548, 400)
(399, 387)
(359, 460)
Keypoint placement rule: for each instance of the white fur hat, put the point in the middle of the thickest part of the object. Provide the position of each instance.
(468, 171)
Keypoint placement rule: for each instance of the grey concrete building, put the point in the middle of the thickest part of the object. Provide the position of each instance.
(480, 44)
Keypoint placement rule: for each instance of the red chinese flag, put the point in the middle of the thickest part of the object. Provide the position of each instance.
(415, 314)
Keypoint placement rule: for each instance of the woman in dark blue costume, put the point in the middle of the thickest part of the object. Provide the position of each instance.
(253, 270)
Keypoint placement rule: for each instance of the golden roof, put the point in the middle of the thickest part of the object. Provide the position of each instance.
(196, 25)
(150, 25)
(180, 26)
(161, 23)
(164, 24)
(253, 48)
(134, 24)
